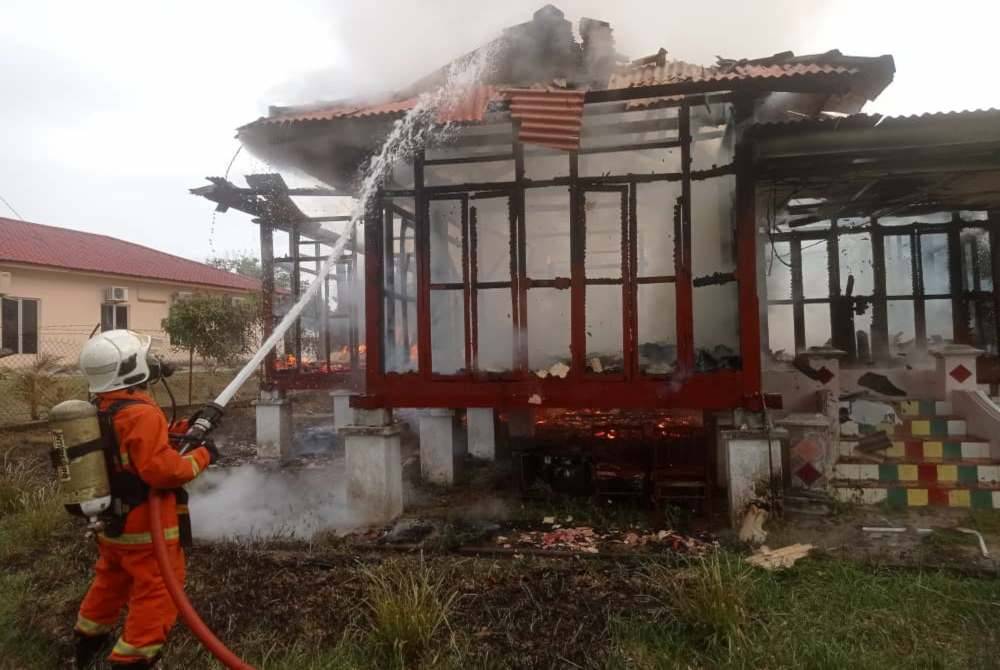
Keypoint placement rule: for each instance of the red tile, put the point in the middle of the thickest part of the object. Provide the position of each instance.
(937, 497)
(914, 450)
(960, 373)
(927, 472)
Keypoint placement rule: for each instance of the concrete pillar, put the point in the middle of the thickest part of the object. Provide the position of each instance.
(343, 413)
(811, 453)
(441, 446)
(956, 369)
(374, 466)
(750, 471)
(274, 425)
(481, 433)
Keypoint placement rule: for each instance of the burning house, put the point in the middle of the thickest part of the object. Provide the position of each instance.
(615, 255)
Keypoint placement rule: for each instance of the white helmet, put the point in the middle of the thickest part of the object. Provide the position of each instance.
(115, 359)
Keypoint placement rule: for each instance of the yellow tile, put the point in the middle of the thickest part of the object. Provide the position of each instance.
(933, 450)
(958, 498)
(916, 497)
(887, 428)
(947, 473)
(920, 428)
(910, 408)
(897, 450)
(907, 473)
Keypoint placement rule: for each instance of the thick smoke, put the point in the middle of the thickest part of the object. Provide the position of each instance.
(250, 501)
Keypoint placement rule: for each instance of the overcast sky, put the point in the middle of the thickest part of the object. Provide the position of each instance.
(112, 109)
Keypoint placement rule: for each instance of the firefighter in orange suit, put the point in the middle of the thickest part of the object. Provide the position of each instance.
(127, 574)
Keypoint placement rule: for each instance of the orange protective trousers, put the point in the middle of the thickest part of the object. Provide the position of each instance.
(126, 575)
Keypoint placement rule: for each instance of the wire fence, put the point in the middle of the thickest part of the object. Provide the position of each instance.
(31, 384)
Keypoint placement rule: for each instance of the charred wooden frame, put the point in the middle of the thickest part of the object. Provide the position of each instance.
(965, 301)
(519, 386)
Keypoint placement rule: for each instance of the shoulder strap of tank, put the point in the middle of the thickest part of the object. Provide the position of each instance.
(106, 418)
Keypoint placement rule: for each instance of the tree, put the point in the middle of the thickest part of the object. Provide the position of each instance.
(248, 265)
(217, 328)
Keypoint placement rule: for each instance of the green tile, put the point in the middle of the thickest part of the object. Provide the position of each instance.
(867, 428)
(939, 427)
(888, 472)
(967, 474)
(982, 499)
(928, 408)
(952, 451)
(896, 497)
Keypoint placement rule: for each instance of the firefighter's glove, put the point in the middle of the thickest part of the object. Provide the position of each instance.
(213, 451)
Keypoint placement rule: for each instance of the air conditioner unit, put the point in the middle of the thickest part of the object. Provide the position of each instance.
(5, 282)
(183, 295)
(116, 294)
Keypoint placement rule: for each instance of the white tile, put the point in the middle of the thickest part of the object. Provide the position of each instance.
(846, 447)
(996, 500)
(868, 471)
(975, 450)
(988, 473)
(848, 495)
(849, 471)
(873, 496)
(956, 427)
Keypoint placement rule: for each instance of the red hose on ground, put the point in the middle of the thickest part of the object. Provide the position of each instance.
(176, 591)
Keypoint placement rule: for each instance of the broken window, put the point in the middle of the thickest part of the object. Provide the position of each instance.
(657, 317)
(656, 302)
(781, 336)
(778, 271)
(548, 328)
(400, 287)
(715, 294)
(934, 264)
(639, 142)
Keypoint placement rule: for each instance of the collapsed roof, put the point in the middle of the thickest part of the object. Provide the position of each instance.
(329, 140)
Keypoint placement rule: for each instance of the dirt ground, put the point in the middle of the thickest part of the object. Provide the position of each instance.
(542, 582)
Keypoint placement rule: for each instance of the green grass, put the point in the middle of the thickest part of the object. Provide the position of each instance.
(408, 608)
(824, 614)
(20, 645)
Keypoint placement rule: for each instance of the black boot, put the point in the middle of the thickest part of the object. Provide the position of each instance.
(90, 648)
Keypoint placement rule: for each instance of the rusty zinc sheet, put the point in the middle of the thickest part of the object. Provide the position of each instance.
(549, 117)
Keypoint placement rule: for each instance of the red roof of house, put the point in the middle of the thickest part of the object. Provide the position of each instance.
(49, 246)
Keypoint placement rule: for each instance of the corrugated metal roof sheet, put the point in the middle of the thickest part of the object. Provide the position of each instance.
(669, 72)
(469, 108)
(650, 71)
(865, 120)
(38, 244)
(549, 117)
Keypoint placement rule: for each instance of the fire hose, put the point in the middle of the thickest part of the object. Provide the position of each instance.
(202, 423)
(176, 591)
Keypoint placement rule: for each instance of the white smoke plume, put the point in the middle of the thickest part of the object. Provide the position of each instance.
(250, 501)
